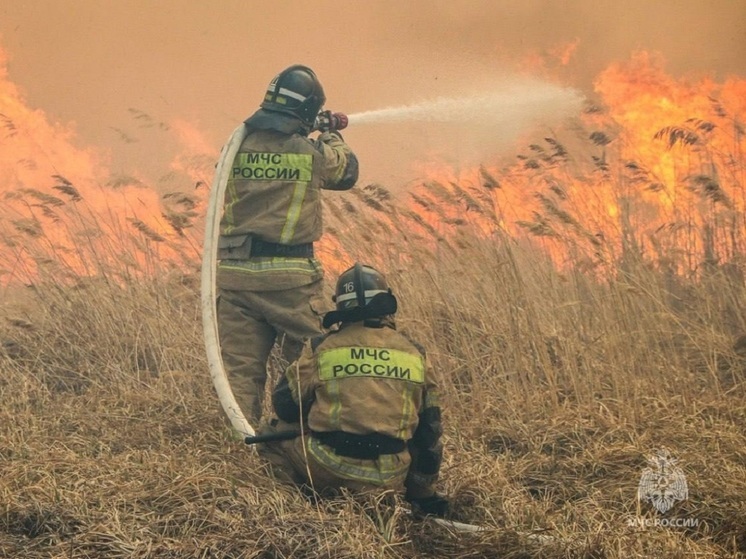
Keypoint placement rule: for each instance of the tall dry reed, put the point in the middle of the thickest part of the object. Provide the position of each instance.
(559, 380)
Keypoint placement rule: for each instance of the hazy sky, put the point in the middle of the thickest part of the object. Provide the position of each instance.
(100, 63)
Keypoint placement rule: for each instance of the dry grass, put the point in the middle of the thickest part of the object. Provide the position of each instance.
(558, 387)
(559, 382)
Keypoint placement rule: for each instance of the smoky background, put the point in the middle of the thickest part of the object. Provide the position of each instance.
(140, 82)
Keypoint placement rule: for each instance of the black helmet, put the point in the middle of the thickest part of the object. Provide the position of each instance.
(357, 286)
(361, 293)
(296, 91)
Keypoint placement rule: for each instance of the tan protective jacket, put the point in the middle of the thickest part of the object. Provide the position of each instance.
(273, 194)
(364, 380)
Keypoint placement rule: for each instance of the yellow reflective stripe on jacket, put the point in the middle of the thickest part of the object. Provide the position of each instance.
(384, 470)
(273, 166)
(406, 413)
(271, 264)
(370, 362)
(299, 193)
(335, 408)
(432, 400)
(334, 143)
(341, 168)
(232, 197)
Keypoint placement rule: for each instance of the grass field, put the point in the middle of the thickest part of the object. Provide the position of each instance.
(572, 350)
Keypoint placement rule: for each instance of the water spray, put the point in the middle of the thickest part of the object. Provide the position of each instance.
(525, 101)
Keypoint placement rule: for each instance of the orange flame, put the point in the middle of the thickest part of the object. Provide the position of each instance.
(63, 214)
(658, 174)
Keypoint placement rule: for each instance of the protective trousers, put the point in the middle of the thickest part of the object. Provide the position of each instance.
(250, 323)
(292, 462)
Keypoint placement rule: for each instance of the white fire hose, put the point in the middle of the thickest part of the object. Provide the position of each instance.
(209, 264)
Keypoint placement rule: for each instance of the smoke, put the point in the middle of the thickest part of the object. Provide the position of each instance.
(208, 66)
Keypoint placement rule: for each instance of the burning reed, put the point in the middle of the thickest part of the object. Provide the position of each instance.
(580, 322)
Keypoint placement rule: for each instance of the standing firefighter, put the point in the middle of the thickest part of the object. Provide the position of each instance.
(268, 280)
(366, 401)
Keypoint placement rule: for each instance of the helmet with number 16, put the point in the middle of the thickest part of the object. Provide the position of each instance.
(357, 286)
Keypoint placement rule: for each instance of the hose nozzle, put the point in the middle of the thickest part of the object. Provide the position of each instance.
(327, 121)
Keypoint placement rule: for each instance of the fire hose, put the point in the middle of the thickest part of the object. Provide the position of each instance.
(208, 292)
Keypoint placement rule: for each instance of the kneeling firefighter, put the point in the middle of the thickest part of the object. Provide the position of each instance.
(365, 401)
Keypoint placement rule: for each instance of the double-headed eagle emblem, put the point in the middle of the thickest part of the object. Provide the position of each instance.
(663, 482)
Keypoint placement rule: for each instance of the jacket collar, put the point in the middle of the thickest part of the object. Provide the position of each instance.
(271, 120)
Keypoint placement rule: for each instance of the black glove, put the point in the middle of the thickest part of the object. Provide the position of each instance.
(435, 505)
